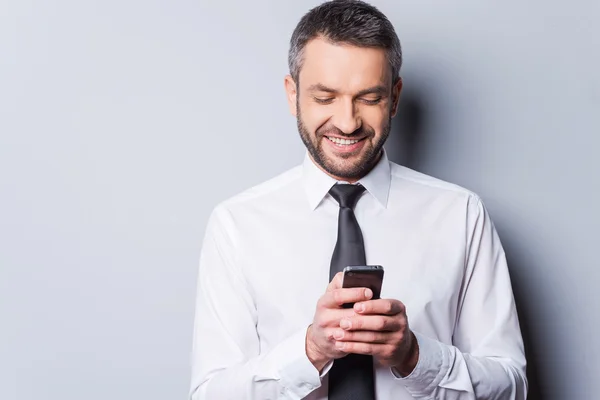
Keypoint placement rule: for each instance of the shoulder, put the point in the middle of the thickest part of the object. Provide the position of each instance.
(263, 195)
(409, 179)
(266, 190)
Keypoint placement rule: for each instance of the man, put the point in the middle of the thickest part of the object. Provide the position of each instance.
(268, 324)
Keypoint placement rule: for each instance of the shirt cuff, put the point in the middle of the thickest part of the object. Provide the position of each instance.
(432, 366)
(298, 376)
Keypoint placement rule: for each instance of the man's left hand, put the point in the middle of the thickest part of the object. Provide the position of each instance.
(380, 328)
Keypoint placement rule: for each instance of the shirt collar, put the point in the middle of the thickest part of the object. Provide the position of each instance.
(317, 183)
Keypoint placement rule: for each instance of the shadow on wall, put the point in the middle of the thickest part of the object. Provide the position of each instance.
(407, 146)
(407, 137)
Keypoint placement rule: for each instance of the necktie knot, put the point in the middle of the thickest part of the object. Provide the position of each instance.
(346, 195)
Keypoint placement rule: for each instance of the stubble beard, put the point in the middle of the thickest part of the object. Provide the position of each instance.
(348, 171)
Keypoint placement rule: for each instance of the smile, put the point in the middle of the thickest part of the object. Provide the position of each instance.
(343, 142)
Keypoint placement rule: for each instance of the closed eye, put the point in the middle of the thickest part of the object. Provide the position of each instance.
(328, 100)
(371, 101)
(323, 100)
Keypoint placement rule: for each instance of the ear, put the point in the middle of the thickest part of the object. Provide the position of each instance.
(396, 89)
(291, 93)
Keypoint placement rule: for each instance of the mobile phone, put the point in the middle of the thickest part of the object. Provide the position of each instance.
(367, 276)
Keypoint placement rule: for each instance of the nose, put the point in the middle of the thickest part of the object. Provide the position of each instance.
(346, 117)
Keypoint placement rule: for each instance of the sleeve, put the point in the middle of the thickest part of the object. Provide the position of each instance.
(227, 361)
(486, 359)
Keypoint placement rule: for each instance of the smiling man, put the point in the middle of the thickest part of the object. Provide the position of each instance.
(270, 321)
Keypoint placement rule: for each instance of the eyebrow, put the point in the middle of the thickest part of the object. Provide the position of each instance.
(379, 89)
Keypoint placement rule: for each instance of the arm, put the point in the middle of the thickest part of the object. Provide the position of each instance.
(486, 360)
(227, 362)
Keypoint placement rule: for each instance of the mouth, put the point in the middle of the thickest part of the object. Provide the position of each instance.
(343, 142)
(345, 145)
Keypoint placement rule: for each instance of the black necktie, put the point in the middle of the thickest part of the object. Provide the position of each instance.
(350, 377)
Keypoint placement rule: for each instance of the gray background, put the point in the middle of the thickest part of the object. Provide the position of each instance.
(122, 123)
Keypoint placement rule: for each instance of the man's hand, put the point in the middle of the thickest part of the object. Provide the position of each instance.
(379, 328)
(320, 343)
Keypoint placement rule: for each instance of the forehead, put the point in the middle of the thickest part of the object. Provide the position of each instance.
(344, 67)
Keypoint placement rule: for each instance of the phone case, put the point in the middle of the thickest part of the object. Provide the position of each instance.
(367, 276)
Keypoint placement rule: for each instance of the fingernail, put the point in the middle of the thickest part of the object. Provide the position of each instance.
(339, 345)
(359, 307)
(338, 334)
(368, 293)
(345, 324)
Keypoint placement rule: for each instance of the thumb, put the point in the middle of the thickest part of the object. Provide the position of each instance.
(336, 282)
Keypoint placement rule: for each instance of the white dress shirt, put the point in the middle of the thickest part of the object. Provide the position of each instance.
(265, 263)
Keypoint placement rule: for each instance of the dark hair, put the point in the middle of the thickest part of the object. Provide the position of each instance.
(352, 22)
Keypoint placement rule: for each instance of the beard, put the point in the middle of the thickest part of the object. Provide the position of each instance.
(350, 170)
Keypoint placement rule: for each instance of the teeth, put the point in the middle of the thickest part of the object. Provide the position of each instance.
(342, 142)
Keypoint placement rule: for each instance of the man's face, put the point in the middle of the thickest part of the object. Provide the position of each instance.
(344, 104)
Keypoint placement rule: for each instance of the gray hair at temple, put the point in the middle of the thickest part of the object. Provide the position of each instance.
(350, 22)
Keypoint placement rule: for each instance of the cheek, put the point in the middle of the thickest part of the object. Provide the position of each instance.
(313, 117)
(376, 118)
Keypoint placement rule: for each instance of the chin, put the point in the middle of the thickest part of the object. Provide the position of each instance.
(342, 168)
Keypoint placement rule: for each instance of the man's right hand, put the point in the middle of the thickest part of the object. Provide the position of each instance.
(320, 343)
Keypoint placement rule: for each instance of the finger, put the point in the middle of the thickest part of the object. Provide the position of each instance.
(364, 336)
(330, 317)
(335, 298)
(374, 349)
(338, 314)
(373, 323)
(336, 282)
(379, 307)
